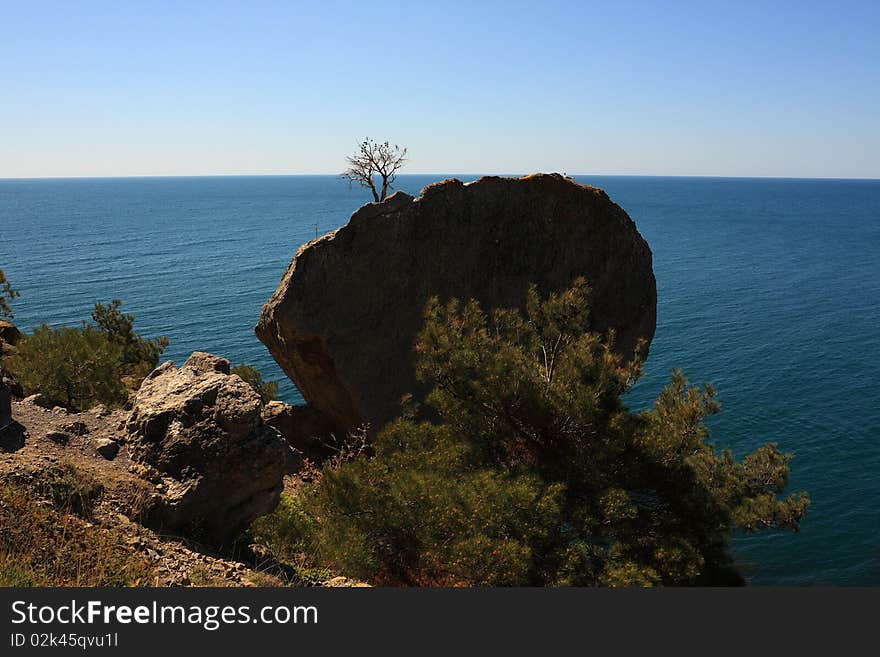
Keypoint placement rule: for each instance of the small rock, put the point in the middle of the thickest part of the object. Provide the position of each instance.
(59, 410)
(345, 582)
(59, 437)
(38, 400)
(107, 448)
(77, 428)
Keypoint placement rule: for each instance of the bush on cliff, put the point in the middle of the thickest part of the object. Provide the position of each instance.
(7, 294)
(78, 367)
(70, 367)
(535, 473)
(139, 355)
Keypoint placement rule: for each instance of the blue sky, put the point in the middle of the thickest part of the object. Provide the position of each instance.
(666, 88)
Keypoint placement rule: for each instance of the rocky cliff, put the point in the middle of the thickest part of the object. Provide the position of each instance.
(344, 318)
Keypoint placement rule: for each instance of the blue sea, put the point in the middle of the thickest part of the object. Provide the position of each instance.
(770, 289)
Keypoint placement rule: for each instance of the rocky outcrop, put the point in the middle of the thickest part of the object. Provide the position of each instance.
(200, 429)
(344, 318)
(305, 428)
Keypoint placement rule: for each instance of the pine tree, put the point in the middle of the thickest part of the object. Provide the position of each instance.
(535, 473)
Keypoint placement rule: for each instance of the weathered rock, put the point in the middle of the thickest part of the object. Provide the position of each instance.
(201, 429)
(304, 427)
(39, 400)
(345, 316)
(99, 411)
(107, 448)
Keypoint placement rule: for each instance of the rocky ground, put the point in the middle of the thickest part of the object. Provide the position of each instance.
(93, 443)
(56, 439)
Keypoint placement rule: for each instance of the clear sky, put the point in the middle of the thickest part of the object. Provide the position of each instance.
(670, 88)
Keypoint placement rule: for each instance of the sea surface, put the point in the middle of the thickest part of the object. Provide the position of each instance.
(770, 289)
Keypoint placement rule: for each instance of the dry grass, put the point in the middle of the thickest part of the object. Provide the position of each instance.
(42, 546)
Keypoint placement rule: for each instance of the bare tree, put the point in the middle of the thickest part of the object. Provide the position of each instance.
(375, 159)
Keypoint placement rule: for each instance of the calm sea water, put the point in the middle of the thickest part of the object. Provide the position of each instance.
(770, 289)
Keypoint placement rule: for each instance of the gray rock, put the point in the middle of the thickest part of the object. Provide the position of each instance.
(107, 448)
(39, 400)
(99, 411)
(201, 430)
(346, 314)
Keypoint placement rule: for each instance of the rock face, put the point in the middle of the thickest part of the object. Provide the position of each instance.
(345, 316)
(201, 430)
(305, 428)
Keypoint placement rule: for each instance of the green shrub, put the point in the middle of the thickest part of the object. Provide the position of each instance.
(7, 294)
(71, 367)
(535, 472)
(139, 355)
(268, 390)
(78, 367)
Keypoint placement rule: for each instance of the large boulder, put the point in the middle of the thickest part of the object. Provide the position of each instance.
(201, 430)
(345, 316)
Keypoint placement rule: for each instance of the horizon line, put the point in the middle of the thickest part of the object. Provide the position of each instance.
(448, 174)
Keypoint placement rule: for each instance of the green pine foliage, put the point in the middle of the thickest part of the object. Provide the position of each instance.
(268, 390)
(77, 367)
(534, 472)
(7, 294)
(139, 355)
(71, 367)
